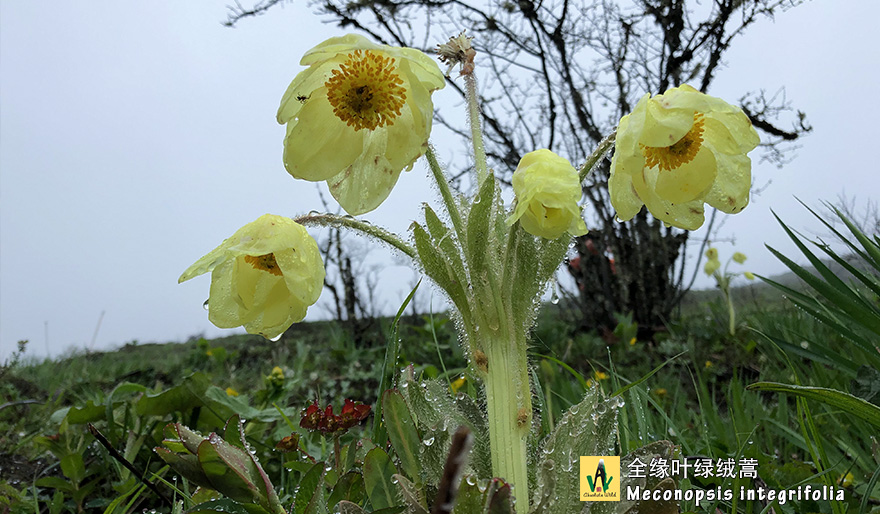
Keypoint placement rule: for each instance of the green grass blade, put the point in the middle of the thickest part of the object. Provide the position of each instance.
(844, 401)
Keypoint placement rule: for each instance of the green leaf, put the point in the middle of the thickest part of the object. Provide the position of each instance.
(844, 401)
(180, 398)
(478, 221)
(445, 239)
(73, 467)
(55, 483)
(439, 270)
(410, 495)
(222, 506)
(310, 493)
(229, 469)
(347, 507)
(470, 498)
(588, 428)
(378, 476)
(866, 385)
(403, 434)
(186, 465)
(88, 413)
(437, 415)
(349, 487)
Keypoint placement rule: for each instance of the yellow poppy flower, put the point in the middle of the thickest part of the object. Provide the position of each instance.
(739, 257)
(231, 392)
(357, 117)
(547, 192)
(712, 254)
(677, 151)
(711, 266)
(749, 275)
(263, 278)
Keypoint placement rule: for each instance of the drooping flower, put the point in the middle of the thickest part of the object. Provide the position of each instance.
(749, 275)
(358, 116)
(739, 257)
(547, 192)
(677, 151)
(263, 278)
(352, 413)
(711, 266)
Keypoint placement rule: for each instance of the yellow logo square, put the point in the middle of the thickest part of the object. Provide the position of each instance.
(600, 479)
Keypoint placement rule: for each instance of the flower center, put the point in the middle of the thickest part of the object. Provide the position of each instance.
(681, 152)
(264, 263)
(365, 91)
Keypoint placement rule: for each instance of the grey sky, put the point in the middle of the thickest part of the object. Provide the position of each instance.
(134, 137)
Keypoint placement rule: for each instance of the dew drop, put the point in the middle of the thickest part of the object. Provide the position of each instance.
(429, 441)
(205, 305)
(275, 339)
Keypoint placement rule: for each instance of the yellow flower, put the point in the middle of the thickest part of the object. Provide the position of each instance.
(264, 277)
(711, 266)
(749, 275)
(277, 373)
(676, 151)
(458, 384)
(547, 192)
(231, 392)
(712, 254)
(709, 364)
(660, 391)
(739, 258)
(846, 480)
(600, 375)
(357, 117)
(633, 341)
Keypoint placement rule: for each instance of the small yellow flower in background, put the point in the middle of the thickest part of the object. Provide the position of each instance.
(357, 117)
(547, 192)
(711, 266)
(277, 373)
(712, 254)
(660, 391)
(458, 384)
(600, 375)
(263, 278)
(209, 352)
(846, 480)
(749, 275)
(708, 364)
(678, 150)
(739, 257)
(633, 341)
(231, 392)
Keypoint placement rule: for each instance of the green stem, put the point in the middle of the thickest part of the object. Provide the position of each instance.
(731, 314)
(509, 403)
(470, 82)
(334, 220)
(446, 192)
(600, 151)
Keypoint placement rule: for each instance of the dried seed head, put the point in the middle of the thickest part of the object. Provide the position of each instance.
(458, 51)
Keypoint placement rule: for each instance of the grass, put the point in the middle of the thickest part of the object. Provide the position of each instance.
(693, 393)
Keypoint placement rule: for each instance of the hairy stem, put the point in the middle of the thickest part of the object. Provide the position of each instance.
(368, 229)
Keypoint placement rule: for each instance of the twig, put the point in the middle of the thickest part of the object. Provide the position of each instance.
(122, 460)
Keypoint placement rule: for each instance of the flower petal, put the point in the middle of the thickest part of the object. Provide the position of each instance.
(688, 215)
(688, 181)
(320, 144)
(730, 192)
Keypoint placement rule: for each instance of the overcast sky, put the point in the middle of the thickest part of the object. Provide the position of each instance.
(136, 136)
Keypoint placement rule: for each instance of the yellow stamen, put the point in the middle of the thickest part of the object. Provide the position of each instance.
(681, 152)
(264, 263)
(365, 91)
